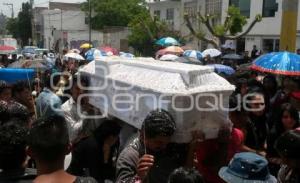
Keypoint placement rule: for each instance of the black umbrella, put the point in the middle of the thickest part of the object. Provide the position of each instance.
(233, 56)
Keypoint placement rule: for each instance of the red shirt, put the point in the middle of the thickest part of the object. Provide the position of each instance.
(210, 147)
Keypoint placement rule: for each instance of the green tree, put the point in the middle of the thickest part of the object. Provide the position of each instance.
(231, 29)
(145, 30)
(114, 12)
(20, 27)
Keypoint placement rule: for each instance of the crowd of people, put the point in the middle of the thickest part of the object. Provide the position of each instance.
(45, 138)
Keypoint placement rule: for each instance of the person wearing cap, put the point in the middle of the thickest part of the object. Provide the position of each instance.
(288, 147)
(247, 167)
(150, 157)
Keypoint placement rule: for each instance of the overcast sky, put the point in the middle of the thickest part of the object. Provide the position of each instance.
(18, 4)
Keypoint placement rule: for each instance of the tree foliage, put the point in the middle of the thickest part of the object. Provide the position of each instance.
(231, 29)
(114, 12)
(145, 30)
(20, 27)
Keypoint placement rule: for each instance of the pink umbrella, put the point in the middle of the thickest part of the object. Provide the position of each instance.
(4, 49)
(109, 50)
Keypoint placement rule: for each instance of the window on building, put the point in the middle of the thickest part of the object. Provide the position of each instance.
(170, 14)
(270, 45)
(214, 7)
(243, 5)
(269, 8)
(190, 8)
(157, 13)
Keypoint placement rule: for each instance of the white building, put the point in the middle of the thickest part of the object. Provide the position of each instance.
(265, 35)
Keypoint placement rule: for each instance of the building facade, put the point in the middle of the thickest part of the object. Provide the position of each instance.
(265, 35)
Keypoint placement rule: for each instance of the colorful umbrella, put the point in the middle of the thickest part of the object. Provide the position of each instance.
(193, 54)
(86, 46)
(219, 68)
(168, 57)
(109, 50)
(170, 50)
(188, 60)
(233, 56)
(93, 54)
(74, 56)
(11, 75)
(282, 63)
(7, 49)
(212, 52)
(167, 41)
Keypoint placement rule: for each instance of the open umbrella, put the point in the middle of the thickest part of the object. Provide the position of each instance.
(126, 55)
(233, 56)
(170, 50)
(109, 50)
(86, 45)
(219, 68)
(74, 56)
(212, 52)
(282, 63)
(167, 41)
(168, 57)
(30, 64)
(188, 60)
(193, 54)
(4, 49)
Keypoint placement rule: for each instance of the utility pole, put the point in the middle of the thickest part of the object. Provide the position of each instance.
(12, 8)
(90, 22)
(289, 25)
(32, 23)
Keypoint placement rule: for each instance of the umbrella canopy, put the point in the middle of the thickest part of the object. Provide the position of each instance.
(4, 49)
(167, 41)
(86, 46)
(94, 53)
(188, 60)
(30, 64)
(74, 56)
(170, 50)
(219, 68)
(109, 50)
(212, 52)
(233, 56)
(193, 54)
(168, 57)
(282, 63)
(11, 75)
(126, 55)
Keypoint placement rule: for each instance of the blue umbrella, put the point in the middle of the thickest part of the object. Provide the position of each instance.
(219, 68)
(193, 54)
(167, 41)
(12, 75)
(126, 55)
(282, 63)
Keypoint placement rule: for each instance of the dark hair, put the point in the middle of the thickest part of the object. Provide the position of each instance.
(288, 144)
(19, 112)
(12, 146)
(272, 79)
(4, 115)
(158, 123)
(19, 87)
(184, 175)
(239, 83)
(253, 83)
(292, 111)
(3, 86)
(107, 128)
(55, 80)
(80, 79)
(49, 138)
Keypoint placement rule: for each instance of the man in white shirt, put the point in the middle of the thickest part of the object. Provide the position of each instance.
(74, 108)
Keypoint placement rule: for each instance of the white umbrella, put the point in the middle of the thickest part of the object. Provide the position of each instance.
(75, 56)
(212, 52)
(168, 57)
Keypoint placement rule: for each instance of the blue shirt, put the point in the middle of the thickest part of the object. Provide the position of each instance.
(48, 103)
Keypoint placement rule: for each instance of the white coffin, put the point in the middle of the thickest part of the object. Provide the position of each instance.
(130, 88)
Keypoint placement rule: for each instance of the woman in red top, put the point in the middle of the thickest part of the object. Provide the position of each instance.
(212, 154)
